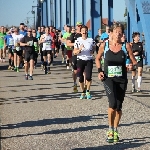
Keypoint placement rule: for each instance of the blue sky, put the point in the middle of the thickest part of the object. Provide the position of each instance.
(18, 10)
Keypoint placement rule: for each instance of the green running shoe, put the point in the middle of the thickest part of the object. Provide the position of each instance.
(17, 69)
(82, 96)
(116, 136)
(110, 136)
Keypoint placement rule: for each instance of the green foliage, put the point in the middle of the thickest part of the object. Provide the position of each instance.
(126, 12)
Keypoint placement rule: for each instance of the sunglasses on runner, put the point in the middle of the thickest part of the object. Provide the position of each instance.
(29, 31)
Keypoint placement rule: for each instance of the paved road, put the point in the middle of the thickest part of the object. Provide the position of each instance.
(44, 114)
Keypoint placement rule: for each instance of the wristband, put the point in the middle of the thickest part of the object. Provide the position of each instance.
(100, 70)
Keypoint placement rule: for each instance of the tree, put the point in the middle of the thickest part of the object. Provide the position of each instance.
(126, 12)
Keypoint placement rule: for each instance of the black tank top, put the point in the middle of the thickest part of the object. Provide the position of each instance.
(137, 47)
(115, 60)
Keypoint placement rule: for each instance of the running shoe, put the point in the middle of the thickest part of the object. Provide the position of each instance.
(17, 69)
(48, 72)
(133, 89)
(88, 95)
(110, 136)
(12, 68)
(30, 78)
(42, 67)
(138, 90)
(26, 77)
(116, 136)
(75, 88)
(82, 96)
(9, 67)
(63, 60)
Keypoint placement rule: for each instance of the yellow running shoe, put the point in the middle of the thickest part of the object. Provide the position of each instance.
(75, 88)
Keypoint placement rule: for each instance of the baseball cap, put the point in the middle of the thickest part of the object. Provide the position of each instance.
(78, 23)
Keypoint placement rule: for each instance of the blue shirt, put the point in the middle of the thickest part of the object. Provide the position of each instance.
(89, 33)
(23, 32)
(38, 35)
(9, 40)
(104, 36)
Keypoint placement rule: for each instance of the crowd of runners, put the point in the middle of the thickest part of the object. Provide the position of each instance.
(113, 55)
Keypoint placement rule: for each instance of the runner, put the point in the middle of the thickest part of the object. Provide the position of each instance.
(28, 43)
(105, 35)
(114, 77)
(18, 52)
(62, 43)
(2, 35)
(36, 46)
(137, 48)
(9, 42)
(23, 33)
(83, 48)
(42, 31)
(70, 43)
(52, 33)
(68, 48)
(47, 40)
(97, 40)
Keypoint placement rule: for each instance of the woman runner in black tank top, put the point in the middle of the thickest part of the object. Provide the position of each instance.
(137, 48)
(114, 77)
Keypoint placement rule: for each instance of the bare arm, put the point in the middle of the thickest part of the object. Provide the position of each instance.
(68, 43)
(99, 55)
(23, 44)
(76, 51)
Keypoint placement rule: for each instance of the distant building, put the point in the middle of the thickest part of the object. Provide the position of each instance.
(104, 22)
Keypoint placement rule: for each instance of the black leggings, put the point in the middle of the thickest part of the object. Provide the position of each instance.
(115, 92)
(87, 66)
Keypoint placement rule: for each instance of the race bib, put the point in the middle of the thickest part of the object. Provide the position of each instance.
(138, 58)
(17, 48)
(47, 45)
(11, 41)
(114, 71)
(30, 43)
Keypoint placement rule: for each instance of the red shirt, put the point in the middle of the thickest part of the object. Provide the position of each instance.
(54, 38)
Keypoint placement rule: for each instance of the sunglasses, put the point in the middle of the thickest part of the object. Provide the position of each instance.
(29, 31)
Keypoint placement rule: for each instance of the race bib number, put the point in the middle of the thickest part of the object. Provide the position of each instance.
(114, 71)
(30, 43)
(47, 45)
(17, 48)
(138, 58)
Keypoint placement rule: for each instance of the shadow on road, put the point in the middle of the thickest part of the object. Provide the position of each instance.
(97, 95)
(122, 145)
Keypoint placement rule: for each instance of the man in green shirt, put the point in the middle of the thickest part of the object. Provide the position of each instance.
(68, 48)
(2, 35)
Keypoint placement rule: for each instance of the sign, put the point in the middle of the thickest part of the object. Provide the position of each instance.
(146, 7)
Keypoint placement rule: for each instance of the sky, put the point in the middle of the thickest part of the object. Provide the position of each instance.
(19, 10)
